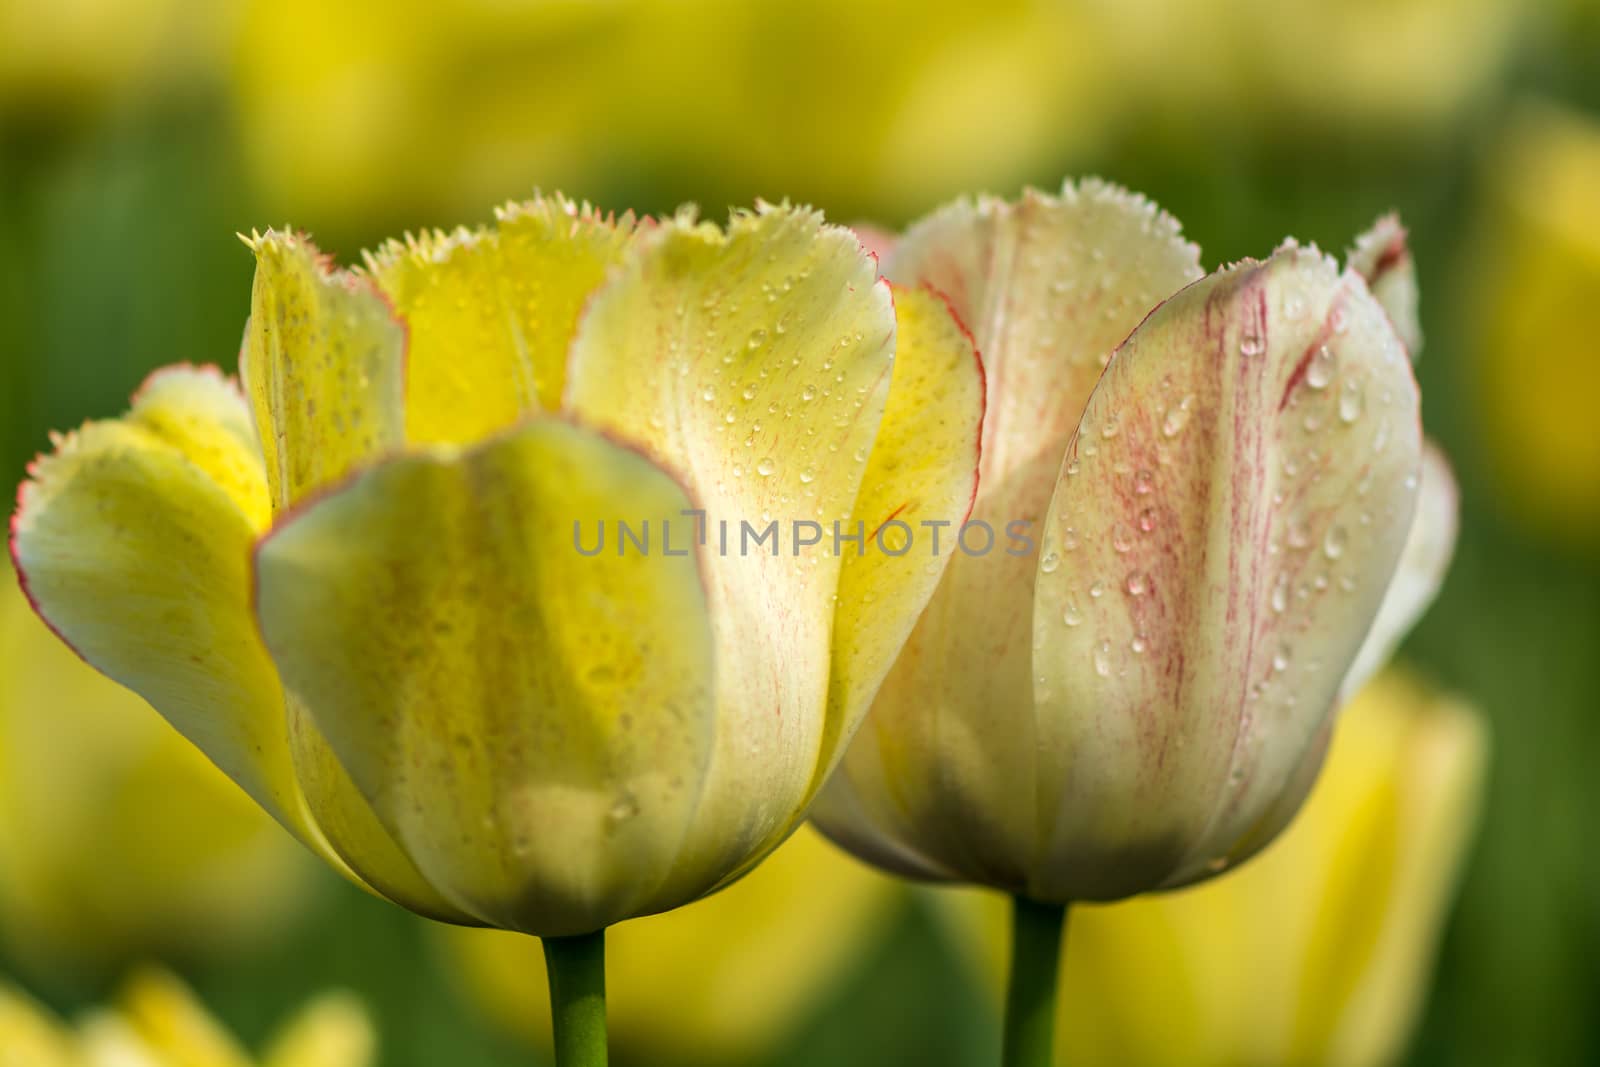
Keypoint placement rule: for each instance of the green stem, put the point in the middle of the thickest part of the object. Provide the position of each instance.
(1036, 931)
(577, 969)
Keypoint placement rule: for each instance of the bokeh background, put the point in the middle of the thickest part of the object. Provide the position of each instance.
(137, 136)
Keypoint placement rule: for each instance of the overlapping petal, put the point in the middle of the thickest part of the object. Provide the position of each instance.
(1049, 285)
(323, 365)
(530, 721)
(491, 313)
(133, 542)
(757, 362)
(1223, 533)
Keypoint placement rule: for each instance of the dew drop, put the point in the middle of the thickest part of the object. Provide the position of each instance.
(1280, 659)
(1320, 373)
(1351, 401)
(1333, 544)
(1250, 344)
(1049, 562)
(1138, 583)
(1102, 659)
(1143, 482)
(1299, 535)
(1072, 614)
(1121, 537)
(808, 476)
(1147, 520)
(766, 467)
(1097, 590)
(757, 339)
(1138, 644)
(1069, 538)
(1280, 594)
(809, 393)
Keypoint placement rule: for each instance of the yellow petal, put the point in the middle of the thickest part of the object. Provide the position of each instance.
(167, 1017)
(752, 962)
(324, 366)
(1049, 285)
(118, 838)
(1382, 257)
(757, 362)
(491, 313)
(1215, 574)
(530, 722)
(332, 1031)
(133, 542)
(29, 1036)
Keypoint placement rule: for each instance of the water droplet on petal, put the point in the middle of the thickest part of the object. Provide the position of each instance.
(1320, 372)
(1097, 590)
(1138, 583)
(1351, 400)
(1049, 562)
(1333, 543)
(1280, 658)
(1072, 614)
(766, 467)
(1102, 659)
(1121, 537)
(1143, 482)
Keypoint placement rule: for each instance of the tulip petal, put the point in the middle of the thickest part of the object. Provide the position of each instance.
(923, 473)
(1034, 282)
(133, 542)
(323, 365)
(492, 312)
(1429, 547)
(531, 723)
(757, 362)
(1223, 533)
(1383, 258)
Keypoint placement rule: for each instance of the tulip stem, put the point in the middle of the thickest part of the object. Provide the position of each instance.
(1036, 932)
(577, 970)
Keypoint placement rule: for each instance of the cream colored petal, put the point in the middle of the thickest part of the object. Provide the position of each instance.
(29, 1036)
(1049, 286)
(757, 362)
(1429, 547)
(323, 365)
(491, 313)
(1225, 527)
(531, 722)
(1383, 258)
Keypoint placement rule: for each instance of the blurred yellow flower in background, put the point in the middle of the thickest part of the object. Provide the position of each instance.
(117, 837)
(1319, 951)
(71, 56)
(1538, 361)
(887, 105)
(157, 1022)
(1383, 66)
(747, 964)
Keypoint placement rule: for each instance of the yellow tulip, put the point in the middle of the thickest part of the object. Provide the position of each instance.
(448, 697)
(1537, 375)
(118, 838)
(158, 1023)
(1319, 953)
(1144, 702)
(749, 962)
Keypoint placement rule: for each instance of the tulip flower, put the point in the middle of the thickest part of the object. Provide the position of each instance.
(158, 1023)
(1319, 952)
(117, 838)
(1536, 377)
(756, 959)
(367, 584)
(1219, 500)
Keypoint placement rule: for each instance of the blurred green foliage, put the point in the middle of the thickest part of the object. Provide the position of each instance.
(117, 255)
